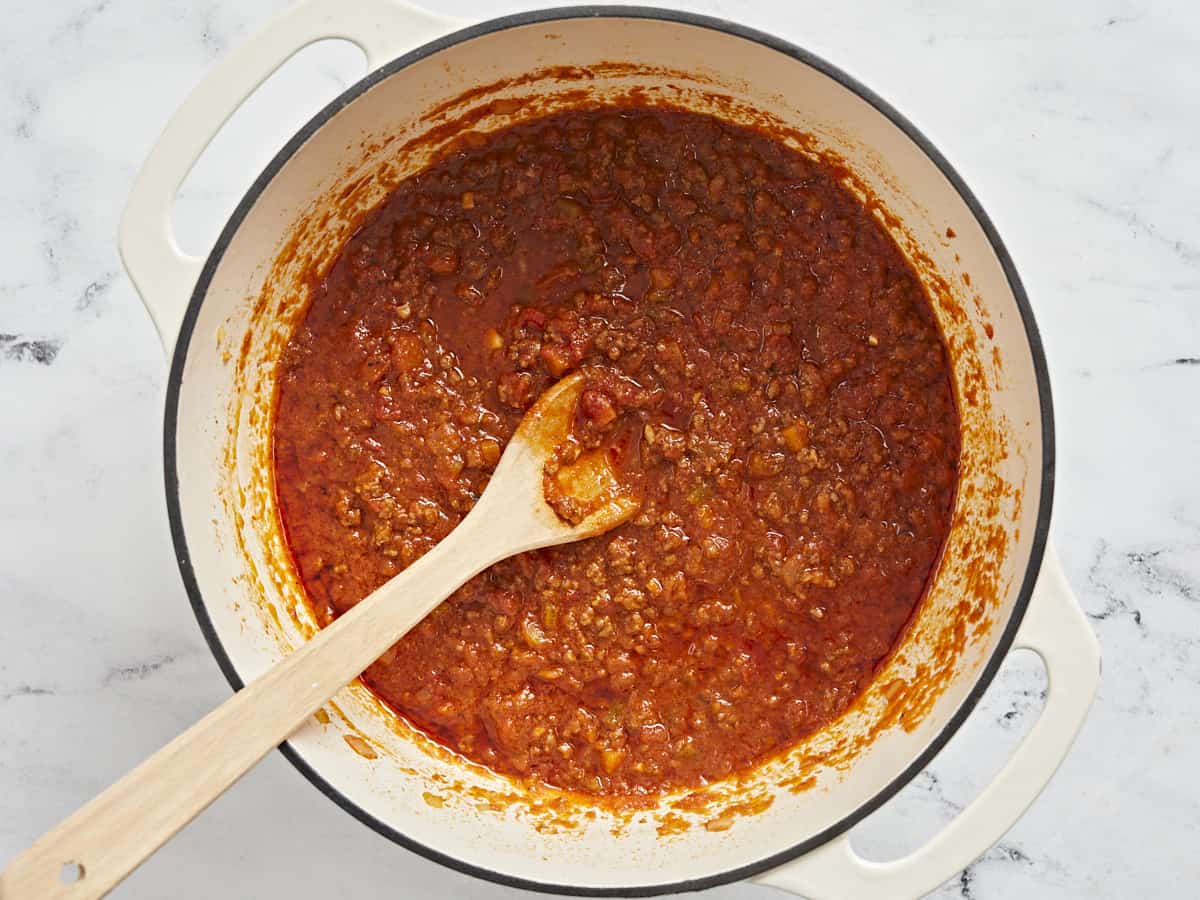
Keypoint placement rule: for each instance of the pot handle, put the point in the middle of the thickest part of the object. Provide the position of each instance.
(163, 274)
(1055, 628)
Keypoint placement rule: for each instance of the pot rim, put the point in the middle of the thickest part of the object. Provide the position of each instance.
(1045, 502)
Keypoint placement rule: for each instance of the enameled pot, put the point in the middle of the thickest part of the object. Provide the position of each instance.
(224, 320)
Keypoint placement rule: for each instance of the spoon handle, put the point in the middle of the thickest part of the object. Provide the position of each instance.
(90, 852)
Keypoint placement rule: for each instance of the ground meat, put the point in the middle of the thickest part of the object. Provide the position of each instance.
(766, 358)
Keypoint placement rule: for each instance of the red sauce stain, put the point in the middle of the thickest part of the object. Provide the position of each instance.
(672, 823)
(360, 746)
(799, 784)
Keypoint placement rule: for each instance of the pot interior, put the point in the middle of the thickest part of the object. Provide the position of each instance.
(297, 217)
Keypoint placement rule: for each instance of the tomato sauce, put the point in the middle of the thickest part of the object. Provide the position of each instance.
(754, 340)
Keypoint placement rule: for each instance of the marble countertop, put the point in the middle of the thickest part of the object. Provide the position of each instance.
(1076, 123)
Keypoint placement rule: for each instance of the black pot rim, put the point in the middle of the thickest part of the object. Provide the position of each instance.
(630, 12)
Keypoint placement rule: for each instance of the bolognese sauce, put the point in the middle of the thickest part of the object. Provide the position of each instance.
(753, 339)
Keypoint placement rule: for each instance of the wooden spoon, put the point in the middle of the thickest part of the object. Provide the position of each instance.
(93, 850)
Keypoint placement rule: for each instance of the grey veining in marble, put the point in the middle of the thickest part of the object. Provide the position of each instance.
(1076, 123)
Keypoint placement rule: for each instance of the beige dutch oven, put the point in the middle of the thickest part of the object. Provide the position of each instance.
(997, 587)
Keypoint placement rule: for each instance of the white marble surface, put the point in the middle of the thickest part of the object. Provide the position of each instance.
(1077, 124)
